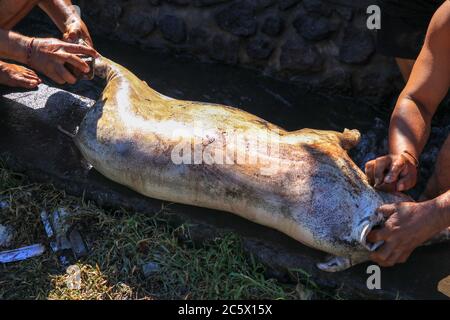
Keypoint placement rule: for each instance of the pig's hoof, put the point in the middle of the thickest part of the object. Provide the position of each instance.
(335, 264)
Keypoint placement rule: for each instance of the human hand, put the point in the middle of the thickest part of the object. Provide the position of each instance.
(408, 226)
(76, 30)
(48, 55)
(394, 172)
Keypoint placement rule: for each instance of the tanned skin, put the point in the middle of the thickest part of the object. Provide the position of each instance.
(411, 224)
(48, 55)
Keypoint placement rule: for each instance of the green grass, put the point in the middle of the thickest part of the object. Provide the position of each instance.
(120, 243)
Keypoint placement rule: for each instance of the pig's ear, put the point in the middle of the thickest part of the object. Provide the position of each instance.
(350, 139)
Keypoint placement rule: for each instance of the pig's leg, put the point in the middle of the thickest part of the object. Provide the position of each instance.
(336, 264)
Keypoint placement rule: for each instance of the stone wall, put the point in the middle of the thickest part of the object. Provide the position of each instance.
(322, 43)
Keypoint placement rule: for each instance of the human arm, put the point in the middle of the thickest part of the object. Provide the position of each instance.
(46, 55)
(13, 46)
(67, 19)
(411, 120)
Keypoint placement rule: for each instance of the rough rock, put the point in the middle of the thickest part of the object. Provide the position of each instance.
(323, 24)
(180, 2)
(314, 27)
(110, 14)
(207, 3)
(259, 48)
(273, 26)
(139, 23)
(287, 4)
(345, 12)
(173, 28)
(356, 47)
(317, 7)
(261, 4)
(299, 56)
(239, 19)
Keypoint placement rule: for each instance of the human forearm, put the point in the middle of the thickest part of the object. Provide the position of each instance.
(13, 46)
(61, 12)
(410, 127)
(408, 133)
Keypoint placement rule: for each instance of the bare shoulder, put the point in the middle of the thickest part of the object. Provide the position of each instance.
(441, 19)
(430, 78)
(438, 34)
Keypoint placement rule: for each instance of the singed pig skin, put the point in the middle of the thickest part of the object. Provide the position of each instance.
(309, 188)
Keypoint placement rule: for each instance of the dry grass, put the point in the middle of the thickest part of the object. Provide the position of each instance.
(120, 243)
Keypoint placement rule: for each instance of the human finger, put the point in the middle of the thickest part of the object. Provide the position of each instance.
(381, 164)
